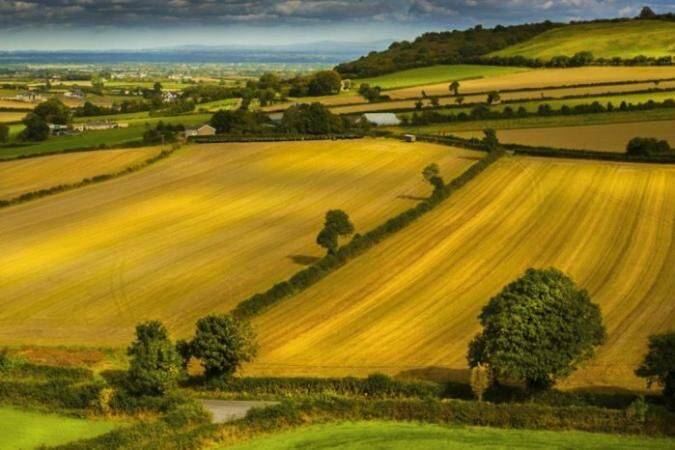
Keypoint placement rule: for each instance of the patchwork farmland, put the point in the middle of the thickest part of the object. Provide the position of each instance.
(192, 234)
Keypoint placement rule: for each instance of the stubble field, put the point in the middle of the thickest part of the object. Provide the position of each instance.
(32, 174)
(410, 305)
(193, 234)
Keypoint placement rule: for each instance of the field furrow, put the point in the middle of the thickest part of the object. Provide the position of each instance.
(193, 234)
(410, 305)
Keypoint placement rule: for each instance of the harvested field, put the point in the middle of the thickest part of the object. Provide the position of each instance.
(410, 305)
(609, 137)
(541, 78)
(193, 234)
(8, 117)
(13, 104)
(32, 174)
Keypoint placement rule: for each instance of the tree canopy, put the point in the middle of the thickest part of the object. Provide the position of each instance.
(53, 111)
(538, 329)
(336, 224)
(659, 365)
(155, 366)
(642, 146)
(223, 344)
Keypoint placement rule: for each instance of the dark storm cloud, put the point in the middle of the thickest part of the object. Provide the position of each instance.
(152, 13)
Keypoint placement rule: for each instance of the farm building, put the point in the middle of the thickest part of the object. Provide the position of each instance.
(382, 118)
(29, 97)
(204, 130)
(57, 129)
(169, 97)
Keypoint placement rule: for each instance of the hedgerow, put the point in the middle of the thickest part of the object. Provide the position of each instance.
(28, 196)
(305, 278)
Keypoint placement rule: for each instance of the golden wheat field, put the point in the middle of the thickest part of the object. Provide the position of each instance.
(192, 234)
(8, 117)
(410, 305)
(541, 78)
(611, 137)
(32, 174)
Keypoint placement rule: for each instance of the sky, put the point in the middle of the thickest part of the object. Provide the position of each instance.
(142, 24)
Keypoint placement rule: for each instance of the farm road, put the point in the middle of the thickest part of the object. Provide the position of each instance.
(226, 410)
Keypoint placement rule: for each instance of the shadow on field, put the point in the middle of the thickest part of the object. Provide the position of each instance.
(304, 260)
(437, 374)
(412, 197)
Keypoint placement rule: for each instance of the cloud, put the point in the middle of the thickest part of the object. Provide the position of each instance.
(435, 14)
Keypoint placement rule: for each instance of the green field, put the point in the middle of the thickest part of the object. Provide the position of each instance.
(542, 122)
(93, 139)
(624, 39)
(24, 429)
(414, 436)
(435, 74)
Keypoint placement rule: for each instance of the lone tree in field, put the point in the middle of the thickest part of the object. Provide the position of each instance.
(537, 329)
(490, 140)
(454, 87)
(659, 365)
(156, 365)
(493, 97)
(223, 344)
(337, 224)
(432, 174)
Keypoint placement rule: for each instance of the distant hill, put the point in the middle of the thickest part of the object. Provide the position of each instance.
(625, 38)
(653, 38)
(449, 47)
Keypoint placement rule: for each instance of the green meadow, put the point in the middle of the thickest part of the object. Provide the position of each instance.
(624, 39)
(434, 75)
(415, 436)
(26, 429)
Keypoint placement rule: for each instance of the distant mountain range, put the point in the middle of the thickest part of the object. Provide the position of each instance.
(324, 52)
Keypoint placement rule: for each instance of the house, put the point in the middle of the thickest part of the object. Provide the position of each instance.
(100, 125)
(409, 138)
(204, 130)
(57, 129)
(29, 97)
(76, 93)
(169, 97)
(381, 118)
(276, 117)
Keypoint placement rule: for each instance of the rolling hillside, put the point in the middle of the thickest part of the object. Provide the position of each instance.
(411, 303)
(193, 234)
(653, 38)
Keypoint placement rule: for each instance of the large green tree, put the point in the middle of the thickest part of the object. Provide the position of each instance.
(155, 366)
(35, 128)
(336, 224)
(432, 174)
(223, 343)
(53, 111)
(325, 82)
(659, 365)
(537, 330)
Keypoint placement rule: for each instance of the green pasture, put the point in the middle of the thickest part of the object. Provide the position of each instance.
(624, 39)
(434, 75)
(415, 436)
(543, 121)
(21, 429)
